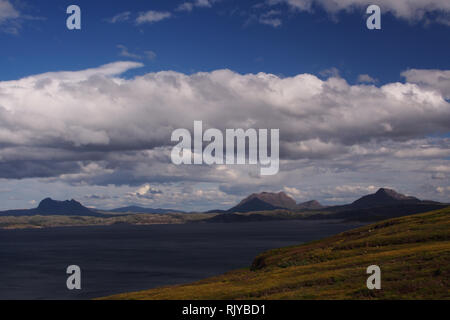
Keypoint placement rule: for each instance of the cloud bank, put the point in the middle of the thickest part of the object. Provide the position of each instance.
(94, 127)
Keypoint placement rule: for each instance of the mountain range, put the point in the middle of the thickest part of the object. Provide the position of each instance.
(268, 201)
(272, 201)
(385, 203)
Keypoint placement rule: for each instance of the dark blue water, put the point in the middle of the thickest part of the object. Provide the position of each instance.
(125, 258)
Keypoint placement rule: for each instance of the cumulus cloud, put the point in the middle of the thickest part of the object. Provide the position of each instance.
(94, 127)
(94, 109)
(296, 193)
(431, 79)
(412, 10)
(145, 191)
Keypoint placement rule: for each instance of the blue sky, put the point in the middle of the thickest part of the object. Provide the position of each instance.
(357, 109)
(226, 35)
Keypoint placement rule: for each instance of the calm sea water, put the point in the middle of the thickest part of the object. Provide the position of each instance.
(123, 258)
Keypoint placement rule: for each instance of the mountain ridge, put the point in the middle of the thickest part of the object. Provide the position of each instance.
(385, 196)
(50, 207)
(383, 204)
(267, 201)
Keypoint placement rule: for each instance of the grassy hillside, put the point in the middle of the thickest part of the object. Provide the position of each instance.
(413, 253)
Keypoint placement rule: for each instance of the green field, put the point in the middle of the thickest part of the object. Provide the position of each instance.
(413, 253)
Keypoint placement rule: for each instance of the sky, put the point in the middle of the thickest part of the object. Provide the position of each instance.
(87, 114)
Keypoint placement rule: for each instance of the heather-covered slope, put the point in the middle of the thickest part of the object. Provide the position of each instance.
(412, 251)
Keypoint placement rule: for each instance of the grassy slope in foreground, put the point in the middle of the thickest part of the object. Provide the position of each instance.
(413, 253)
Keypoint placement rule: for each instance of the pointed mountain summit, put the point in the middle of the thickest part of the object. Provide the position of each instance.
(265, 201)
(268, 201)
(383, 197)
(310, 205)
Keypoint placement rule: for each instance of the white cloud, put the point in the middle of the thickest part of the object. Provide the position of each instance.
(431, 79)
(185, 6)
(95, 127)
(94, 107)
(365, 78)
(443, 189)
(9, 18)
(7, 11)
(423, 152)
(127, 54)
(190, 5)
(152, 16)
(274, 22)
(441, 168)
(271, 18)
(296, 193)
(204, 3)
(145, 191)
(124, 52)
(312, 148)
(303, 105)
(107, 70)
(330, 72)
(346, 193)
(150, 55)
(412, 10)
(121, 17)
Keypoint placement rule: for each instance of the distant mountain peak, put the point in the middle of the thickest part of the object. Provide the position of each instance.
(392, 193)
(50, 202)
(279, 199)
(46, 200)
(50, 206)
(265, 201)
(312, 205)
(383, 196)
